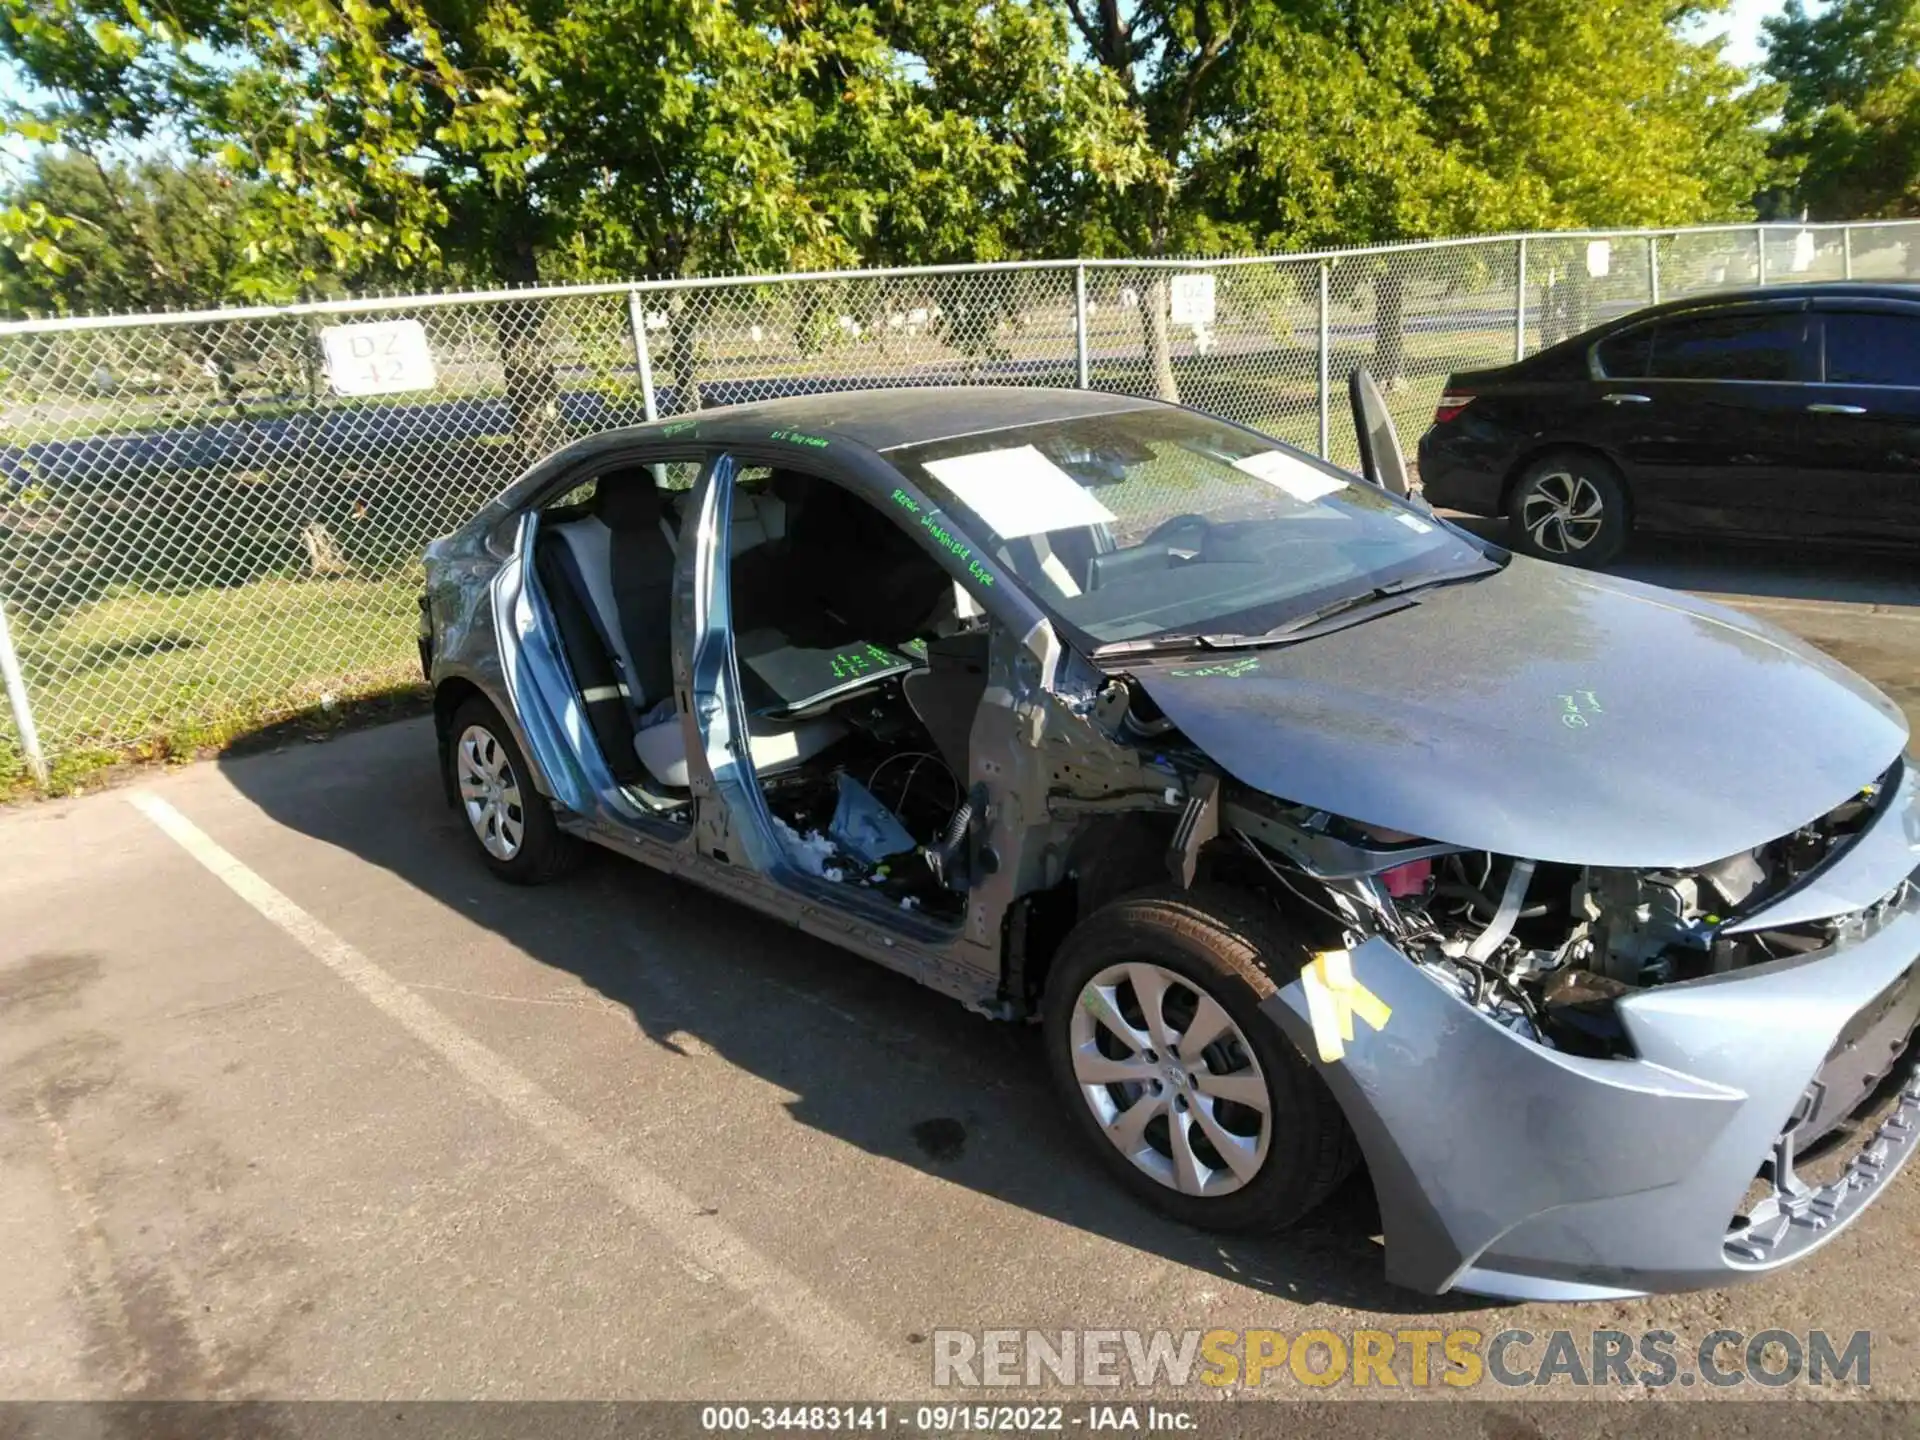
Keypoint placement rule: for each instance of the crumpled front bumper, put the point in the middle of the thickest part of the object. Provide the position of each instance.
(1506, 1168)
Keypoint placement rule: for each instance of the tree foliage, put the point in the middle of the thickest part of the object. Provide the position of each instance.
(149, 236)
(521, 139)
(1851, 115)
(1280, 122)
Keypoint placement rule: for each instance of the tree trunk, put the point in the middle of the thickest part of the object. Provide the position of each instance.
(1580, 290)
(1153, 319)
(309, 466)
(526, 363)
(683, 358)
(1389, 332)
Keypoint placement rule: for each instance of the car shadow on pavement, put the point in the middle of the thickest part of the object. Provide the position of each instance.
(1758, 571)
(870, 1057)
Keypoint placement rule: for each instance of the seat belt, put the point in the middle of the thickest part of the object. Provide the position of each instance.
(569, 567)
(608, 699)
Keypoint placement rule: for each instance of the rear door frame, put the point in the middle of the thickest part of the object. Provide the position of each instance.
(731, 815)
(539, 681)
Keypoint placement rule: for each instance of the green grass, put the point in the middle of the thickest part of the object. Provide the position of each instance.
(140, 676)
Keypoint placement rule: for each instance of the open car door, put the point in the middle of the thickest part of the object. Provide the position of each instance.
(544, 702)
(1381, 459)
(567, 652)
(731, 821)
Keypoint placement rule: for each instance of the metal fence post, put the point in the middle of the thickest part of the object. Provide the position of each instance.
(1760, 253)
(1520, 303)
(1326, 361)
(1846, 251)
(17, 702)
(637, 318)
(1080, 324)
(1653, 268)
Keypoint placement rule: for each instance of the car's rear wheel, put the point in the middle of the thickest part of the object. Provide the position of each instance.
(1572, 507)
(509, 819)
(1192, 1099)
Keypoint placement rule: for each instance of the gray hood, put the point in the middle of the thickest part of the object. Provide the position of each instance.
(1547, 713)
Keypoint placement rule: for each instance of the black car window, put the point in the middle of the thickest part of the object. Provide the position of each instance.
(1870, 349)
(1625, 356)
(1732, 347)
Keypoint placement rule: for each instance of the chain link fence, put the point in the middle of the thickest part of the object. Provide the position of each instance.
(212, 522)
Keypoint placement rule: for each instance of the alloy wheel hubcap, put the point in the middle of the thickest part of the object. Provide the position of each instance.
(489, 792)
(1171, 1079)
(1562, 513)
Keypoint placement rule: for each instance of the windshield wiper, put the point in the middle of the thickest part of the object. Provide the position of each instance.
(1367, 599)
(1371, 600)
(1156, 643)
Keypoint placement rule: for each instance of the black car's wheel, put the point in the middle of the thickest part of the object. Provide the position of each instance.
(1570, 506)
(509, 819)
(1192, 1098)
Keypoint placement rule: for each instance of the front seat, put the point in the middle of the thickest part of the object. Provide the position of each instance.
(642, 566)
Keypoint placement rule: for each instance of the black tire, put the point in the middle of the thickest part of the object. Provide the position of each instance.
(544, 852)
(1228, 948)
(1570, 506)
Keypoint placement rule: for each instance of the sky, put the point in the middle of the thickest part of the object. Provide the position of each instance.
(1740, 23)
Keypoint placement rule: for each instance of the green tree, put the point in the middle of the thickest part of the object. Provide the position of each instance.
(148, 236)
(515, 140)
(1604, 115)
(1281, 123)
(1583, 115)
(520, 139)
(1850, 129)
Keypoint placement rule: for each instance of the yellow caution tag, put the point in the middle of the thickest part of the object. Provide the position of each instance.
(1334, 997)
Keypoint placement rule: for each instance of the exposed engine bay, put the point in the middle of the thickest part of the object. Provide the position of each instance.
(1545, 949)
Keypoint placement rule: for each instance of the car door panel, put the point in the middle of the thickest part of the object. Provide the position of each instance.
(1863, 420)
(544, 703)
(1723, 456)
(1717, 443)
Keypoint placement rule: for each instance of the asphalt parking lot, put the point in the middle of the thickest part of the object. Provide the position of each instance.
(296, 1101)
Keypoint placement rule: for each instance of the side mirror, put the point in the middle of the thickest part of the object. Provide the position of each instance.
(1381, 459)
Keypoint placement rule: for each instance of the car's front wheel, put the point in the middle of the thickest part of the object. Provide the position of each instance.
(1572, 507)
(1192, 1098)
(509, 819)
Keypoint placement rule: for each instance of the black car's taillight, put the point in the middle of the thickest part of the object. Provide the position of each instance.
(1451, 404)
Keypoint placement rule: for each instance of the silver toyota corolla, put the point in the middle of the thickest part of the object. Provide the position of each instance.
(1310, 828)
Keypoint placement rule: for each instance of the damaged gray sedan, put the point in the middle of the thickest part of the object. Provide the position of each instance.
(1311, 829)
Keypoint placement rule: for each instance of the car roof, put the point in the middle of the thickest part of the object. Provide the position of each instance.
(1548, 360)
(1803, 290)
(887, 419)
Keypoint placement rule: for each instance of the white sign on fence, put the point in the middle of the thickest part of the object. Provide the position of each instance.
(1599, 258)
(1192, 300)
(386, 357)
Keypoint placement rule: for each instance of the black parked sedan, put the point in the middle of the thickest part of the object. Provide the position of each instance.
(1792, 411)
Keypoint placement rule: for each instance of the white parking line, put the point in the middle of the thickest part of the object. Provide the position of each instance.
(706, 1248)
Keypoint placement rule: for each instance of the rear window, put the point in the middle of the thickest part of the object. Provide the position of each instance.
(1625, 356)
(1763, 346)
(1870, 349)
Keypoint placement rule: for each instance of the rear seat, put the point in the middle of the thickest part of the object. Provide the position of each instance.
(617, 574)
